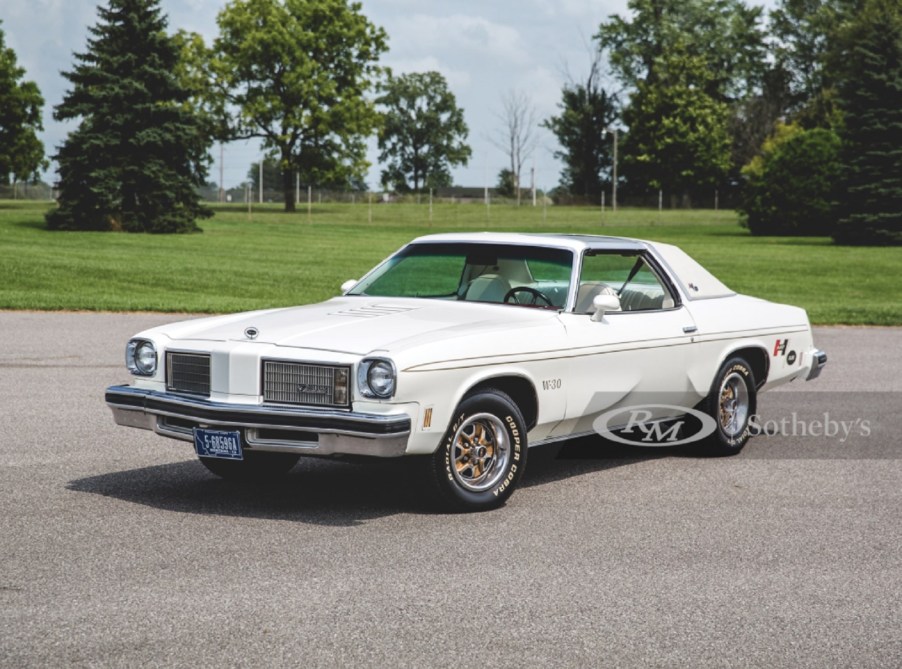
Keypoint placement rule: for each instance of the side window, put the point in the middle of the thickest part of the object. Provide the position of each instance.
(626, 275)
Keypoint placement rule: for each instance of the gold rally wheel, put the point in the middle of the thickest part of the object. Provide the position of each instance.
(482, 456)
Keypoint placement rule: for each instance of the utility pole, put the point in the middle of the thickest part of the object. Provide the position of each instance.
(261, 180)
(485, 180)
(614, 199)
(221, 174)
(613, 131)
(532, 180)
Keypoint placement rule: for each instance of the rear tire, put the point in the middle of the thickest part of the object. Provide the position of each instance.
(256, 466)
(732, 403)
(482, 456)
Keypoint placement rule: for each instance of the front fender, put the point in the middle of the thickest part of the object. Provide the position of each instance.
(441, 391)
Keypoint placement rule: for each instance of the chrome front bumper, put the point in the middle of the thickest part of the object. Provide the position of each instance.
(264, 428)
(818, 361)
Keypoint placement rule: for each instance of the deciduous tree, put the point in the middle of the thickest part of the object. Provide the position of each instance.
(678, 139)
(725, 34)
(272, 177)
(517, 137)
(21, 152)
(296, 74)
(139, 153)
(587, 110)
(423, 133)
(714, 52)
(790, 188)
(505, 187)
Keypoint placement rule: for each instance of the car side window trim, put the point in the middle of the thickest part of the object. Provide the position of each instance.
(653, 265)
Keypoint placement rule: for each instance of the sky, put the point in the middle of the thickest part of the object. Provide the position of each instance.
(484, 48)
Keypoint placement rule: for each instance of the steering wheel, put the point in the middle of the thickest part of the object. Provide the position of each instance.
(536, 295)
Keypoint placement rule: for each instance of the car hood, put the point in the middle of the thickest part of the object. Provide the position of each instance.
(360, 325)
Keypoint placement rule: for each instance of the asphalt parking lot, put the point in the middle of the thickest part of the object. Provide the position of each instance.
(119, 549)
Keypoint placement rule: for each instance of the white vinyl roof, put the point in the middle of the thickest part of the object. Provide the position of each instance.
(574, 242)
(696, 282)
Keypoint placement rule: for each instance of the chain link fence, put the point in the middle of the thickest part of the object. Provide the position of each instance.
(713, 199)
(312, 195)
(213, 195)
(25, 191)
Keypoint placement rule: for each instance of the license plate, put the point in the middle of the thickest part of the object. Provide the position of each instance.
(218, 444)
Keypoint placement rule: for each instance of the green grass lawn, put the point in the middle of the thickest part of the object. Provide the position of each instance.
(268, 258)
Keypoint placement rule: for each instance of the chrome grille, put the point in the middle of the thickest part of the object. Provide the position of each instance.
(305, 383)
(188, 373)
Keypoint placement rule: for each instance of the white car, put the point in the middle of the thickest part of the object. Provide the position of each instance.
(465, 349)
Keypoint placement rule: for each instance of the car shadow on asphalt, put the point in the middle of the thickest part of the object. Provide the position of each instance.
(320, 492)
(333, 492)
(566, 459)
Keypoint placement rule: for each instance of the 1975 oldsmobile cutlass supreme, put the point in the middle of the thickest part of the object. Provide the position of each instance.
(465, 349)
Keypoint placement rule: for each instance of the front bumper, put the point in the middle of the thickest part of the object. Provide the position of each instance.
(264, 428)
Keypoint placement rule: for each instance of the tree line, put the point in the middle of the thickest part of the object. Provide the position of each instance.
(799, 110)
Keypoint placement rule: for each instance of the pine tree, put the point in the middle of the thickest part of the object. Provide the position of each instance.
(139, 153)
(871, 99)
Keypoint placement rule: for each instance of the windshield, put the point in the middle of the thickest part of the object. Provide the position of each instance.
(520, 275)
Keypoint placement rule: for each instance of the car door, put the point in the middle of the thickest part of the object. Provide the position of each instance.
(633, 357)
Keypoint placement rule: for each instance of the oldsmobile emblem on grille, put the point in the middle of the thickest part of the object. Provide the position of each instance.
(251, 333)
(313, 389)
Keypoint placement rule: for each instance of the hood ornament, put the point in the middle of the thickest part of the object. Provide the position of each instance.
(251, 332)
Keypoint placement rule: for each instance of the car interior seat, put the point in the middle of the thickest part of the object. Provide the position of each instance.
(487, 288)
(588, 291)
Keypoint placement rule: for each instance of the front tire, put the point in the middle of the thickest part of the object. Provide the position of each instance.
(732, 403)
(482, 456)
(255, 467)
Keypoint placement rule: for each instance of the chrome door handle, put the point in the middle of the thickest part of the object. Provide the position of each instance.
(689, 329)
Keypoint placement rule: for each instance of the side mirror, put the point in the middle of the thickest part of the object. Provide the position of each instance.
(347, 285)
(604, 303)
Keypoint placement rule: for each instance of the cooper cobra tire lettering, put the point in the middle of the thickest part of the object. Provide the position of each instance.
(515, 432)
(510, 477)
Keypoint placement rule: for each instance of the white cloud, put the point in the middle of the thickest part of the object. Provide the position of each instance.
(456, 78)
(544, 89)
(579, 8)
(467, 36)
(483, 48)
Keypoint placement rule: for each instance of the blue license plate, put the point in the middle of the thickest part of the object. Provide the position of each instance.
(218, 444)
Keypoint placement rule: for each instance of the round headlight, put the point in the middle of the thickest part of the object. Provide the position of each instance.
(381, 378)
(141, 357)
